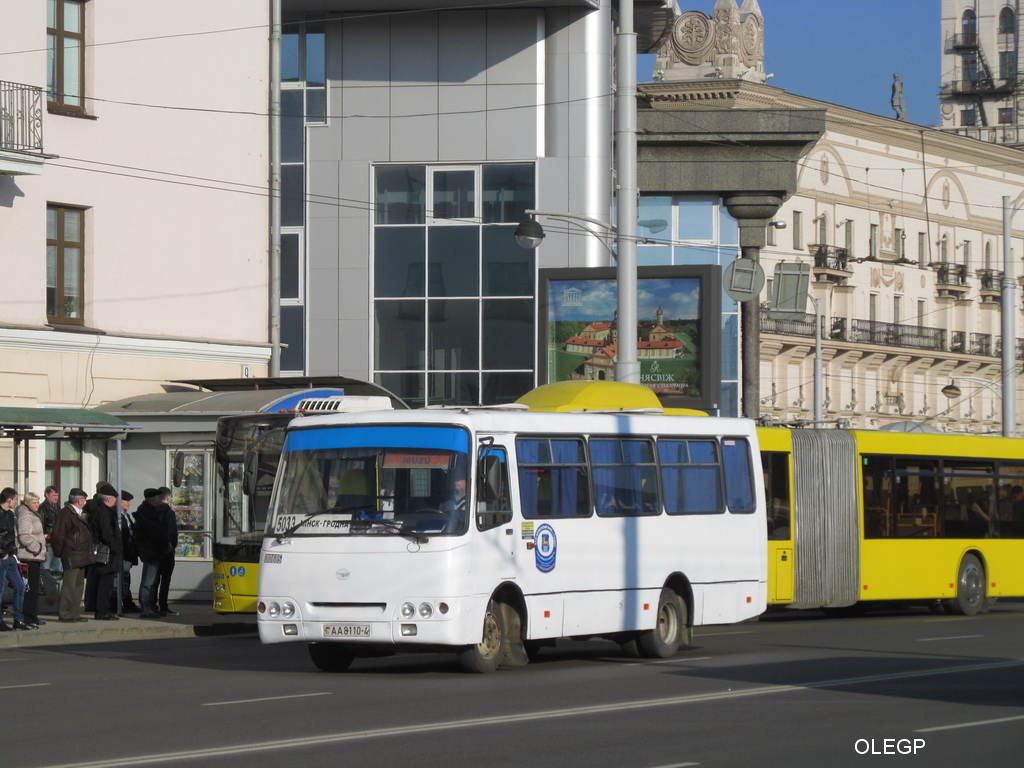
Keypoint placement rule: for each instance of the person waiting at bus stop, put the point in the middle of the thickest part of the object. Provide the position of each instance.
(9, 560)
(106, 533)
(72, 543)
(153, 535)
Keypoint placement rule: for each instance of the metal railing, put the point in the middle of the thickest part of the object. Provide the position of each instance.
(897, 335)
(991, 279)
(964, 40)
(981, 344)
(831, 257)
(21, 117)
(952, 274)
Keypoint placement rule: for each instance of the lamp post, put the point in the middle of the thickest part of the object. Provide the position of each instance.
(627, 365)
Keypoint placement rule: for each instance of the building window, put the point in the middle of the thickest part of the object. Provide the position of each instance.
(920, 313)
(63, 467)
(65, 247)
(1007, 21)
(899, 240)
(1006, 115)
(1007, 64)
(923, 254)
(967, 254)
(453, 293)
(897, 309)
(65, 52)
(968, 117)
(988, 255)
(873, 242)
(969, 67)
(798, 225)
(848, 237)
(944, 249)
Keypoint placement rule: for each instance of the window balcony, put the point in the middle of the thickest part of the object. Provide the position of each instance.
(897, 335)
(991, 289)
(981, 344)
(982, 85)
(951, 280)
(831, 264)
(21, 129)
(963, 41)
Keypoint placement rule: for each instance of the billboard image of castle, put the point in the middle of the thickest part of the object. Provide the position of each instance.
(583, 336)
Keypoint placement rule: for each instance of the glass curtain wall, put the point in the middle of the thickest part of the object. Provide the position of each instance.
(687, 231)
(454, 294)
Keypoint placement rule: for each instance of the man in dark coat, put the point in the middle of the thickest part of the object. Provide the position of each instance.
(153, 539)
(102, 516)
(48, 511)
(72, 543)
(128, 552)
(9, 557)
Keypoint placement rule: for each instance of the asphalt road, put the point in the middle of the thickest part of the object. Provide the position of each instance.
(798, 690)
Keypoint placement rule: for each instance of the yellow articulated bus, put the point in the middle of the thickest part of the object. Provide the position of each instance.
(857, 516)
(864, 516)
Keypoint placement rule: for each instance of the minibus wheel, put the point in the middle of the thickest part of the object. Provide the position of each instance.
(667, 636)
(330, 657)
(970, 588)
(486, 655)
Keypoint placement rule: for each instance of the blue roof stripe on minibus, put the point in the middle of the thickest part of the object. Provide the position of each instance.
(442, 438)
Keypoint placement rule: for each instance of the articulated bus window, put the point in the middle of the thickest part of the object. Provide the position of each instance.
(625, 477)
(553, 477)
(877, 497)
(916, 497)
(775, 466)
(739, 481)
(1011, 500)
(969, 500)
(691, 476)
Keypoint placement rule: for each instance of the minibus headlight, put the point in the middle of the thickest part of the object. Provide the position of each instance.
(288, 610)
(426, 610)
(273, 610)
(408, 610)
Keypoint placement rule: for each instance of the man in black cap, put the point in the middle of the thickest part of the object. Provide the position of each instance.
(72, 543)
(128, 553)
(153, 535)
(106, 534)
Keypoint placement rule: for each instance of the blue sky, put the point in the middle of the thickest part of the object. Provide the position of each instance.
(846, 51)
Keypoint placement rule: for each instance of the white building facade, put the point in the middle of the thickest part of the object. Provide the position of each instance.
(982, 93)
(133, 203)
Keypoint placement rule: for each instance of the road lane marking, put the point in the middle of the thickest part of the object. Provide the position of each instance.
(969, 725)
(678, 765)
(267, 698)
(722, 634)
(525, 717)
(669, 661)
(954, 637)
(26, 685)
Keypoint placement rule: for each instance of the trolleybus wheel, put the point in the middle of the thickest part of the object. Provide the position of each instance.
(486, 655)
(330, 657)
(970, 588)
(667, 636)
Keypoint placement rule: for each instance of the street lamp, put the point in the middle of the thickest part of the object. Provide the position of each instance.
(530, 233)
(953, 391)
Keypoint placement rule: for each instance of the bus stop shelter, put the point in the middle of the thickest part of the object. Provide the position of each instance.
(23, 425)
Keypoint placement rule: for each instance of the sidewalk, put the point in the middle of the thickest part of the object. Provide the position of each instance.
(196, 619)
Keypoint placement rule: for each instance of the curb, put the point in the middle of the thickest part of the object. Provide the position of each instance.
(88, 635)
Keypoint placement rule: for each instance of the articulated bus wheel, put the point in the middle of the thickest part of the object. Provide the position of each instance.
(330, 657)
(970, 588)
